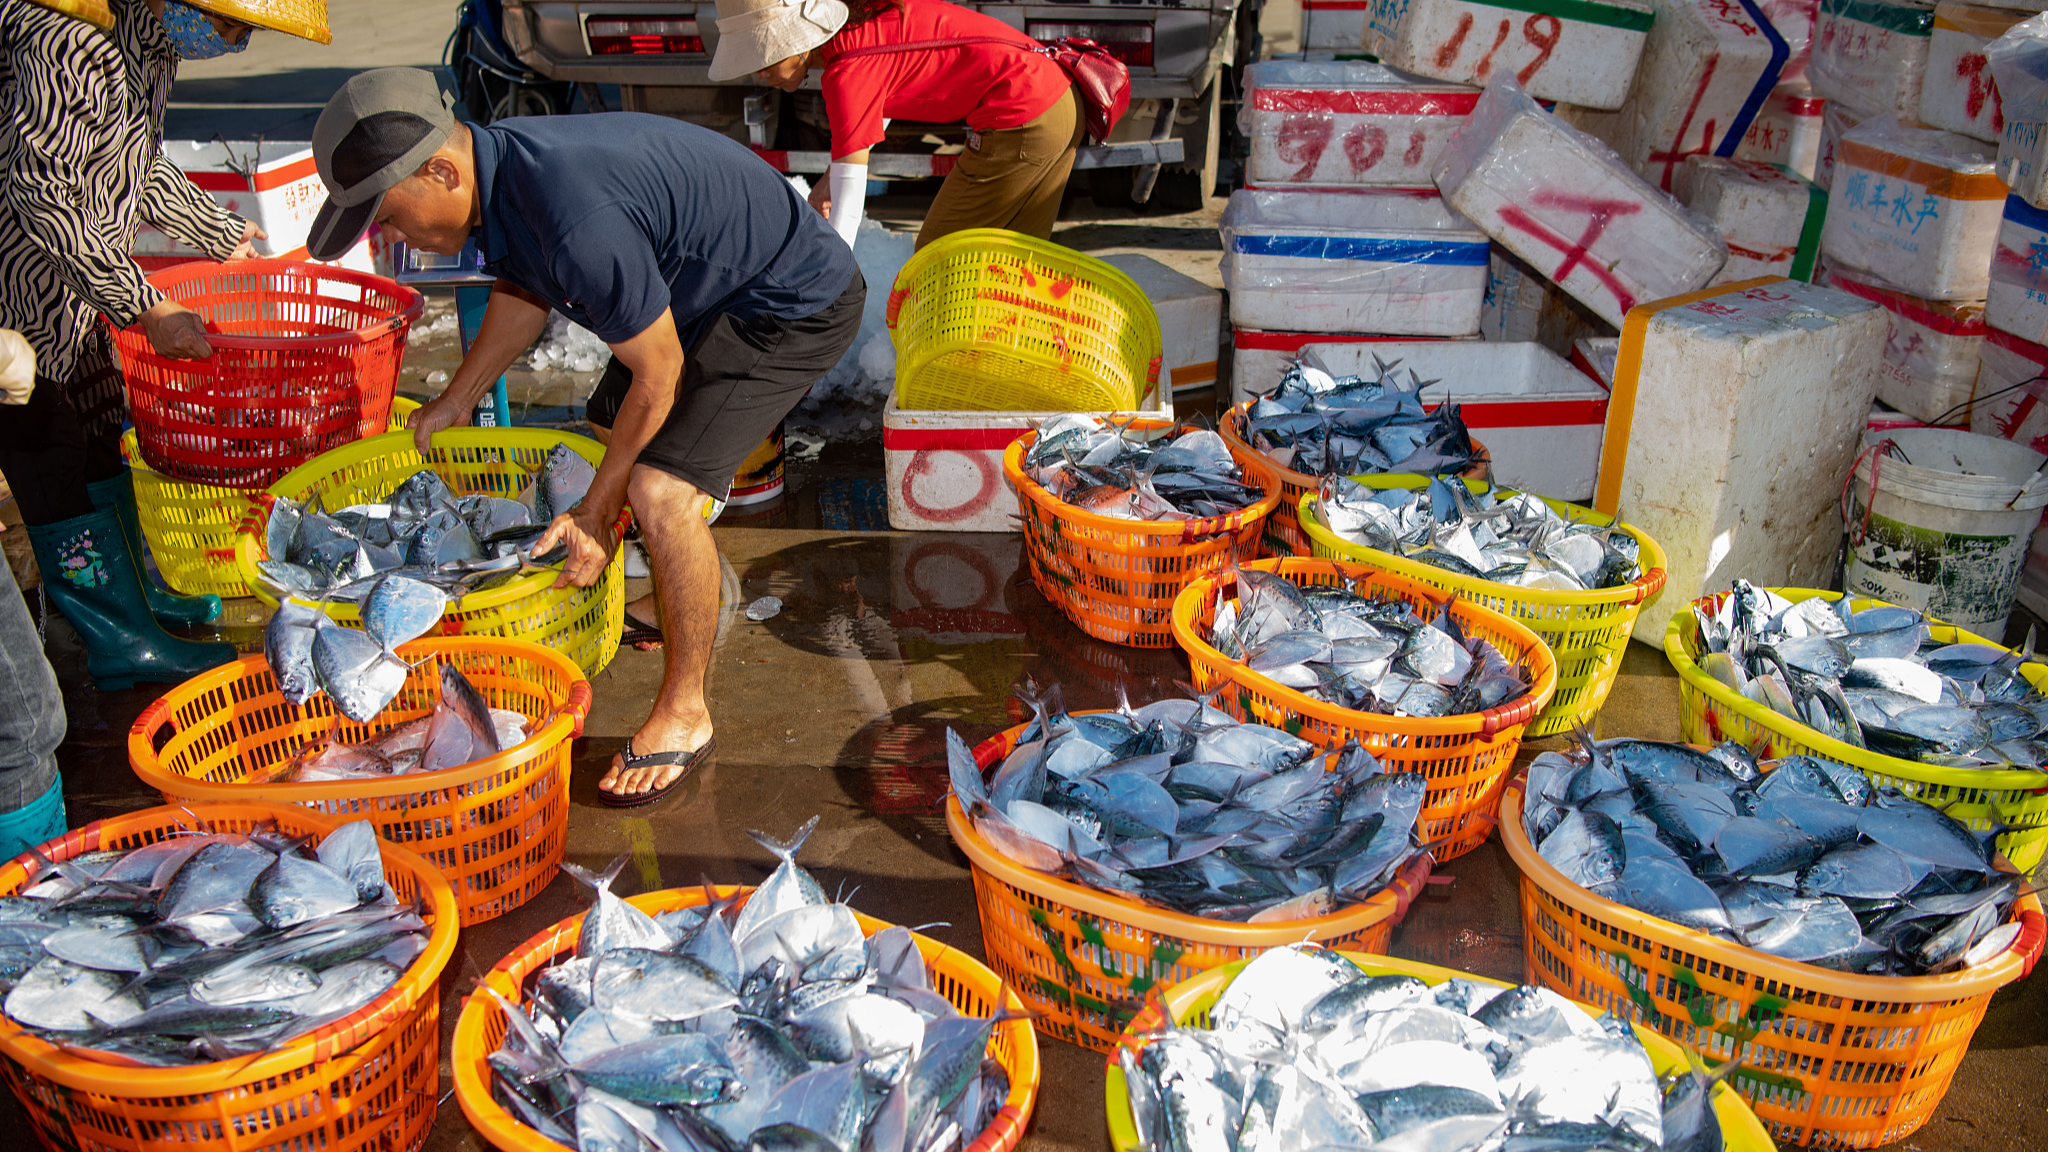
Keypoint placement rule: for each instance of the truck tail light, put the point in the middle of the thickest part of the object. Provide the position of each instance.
(1127, 40)
(612, 37)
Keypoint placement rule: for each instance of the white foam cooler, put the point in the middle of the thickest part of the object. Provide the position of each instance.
(1190, 321)
(1708, 68)
(1769, 218)
(1959, 93)
(2013, 404)
(1539, 417)
(1931, 349)
(1787, 130)
(945, 468)
(1343, 125)
(1917, 208)
(1583, 52)
(1514, 299)
(1736, 413)
(271, 184)
(1836, 121)
(1794, 21)
(1567, 205)
(2019, 273)
(1363, 260)
(1872, 54)
(1596, 357)
(1333, 25)
(2018, 61)
(1258, 358)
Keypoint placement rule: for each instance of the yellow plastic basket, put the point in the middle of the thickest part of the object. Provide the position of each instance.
(581, 623)
(1587, 631)
(191, 528)
(1188, 1004)
(1833, 1059)
(971, 988)
(1085, 959)
(988, 319)
(1709, 712)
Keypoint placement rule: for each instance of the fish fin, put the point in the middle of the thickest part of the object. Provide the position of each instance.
(597, 881)
(787, 850)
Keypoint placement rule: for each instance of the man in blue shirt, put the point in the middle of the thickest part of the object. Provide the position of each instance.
(722, 294)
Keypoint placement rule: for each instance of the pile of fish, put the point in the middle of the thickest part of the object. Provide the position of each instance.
(204, 946)
(1807, 861)
(1520, 540)
(461, 729)
(1183, 473)
(1306, 1051)
(1343, 425)
(423, 530)
(768, 1026)
(1876, 680)
(1179, 805)
(1357, 652)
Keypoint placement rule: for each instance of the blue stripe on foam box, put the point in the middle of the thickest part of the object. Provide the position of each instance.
(2021, 212)
(1388, 251)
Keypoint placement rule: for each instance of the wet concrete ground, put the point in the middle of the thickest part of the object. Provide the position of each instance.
(838, 707)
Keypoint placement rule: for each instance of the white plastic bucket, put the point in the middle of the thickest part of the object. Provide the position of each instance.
(1948, 529)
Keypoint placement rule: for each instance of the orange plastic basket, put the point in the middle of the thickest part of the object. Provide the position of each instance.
(1465, 758)
(1833, 1059)
(968, 986)
(1116, 579)
(495, 828)
(1085, 959)
(305, 359)
(368, 1082)
(1284, 536)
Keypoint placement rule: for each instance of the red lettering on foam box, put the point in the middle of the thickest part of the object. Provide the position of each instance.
(1599, 214)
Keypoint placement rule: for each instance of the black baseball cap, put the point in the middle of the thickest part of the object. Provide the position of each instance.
(376, 131)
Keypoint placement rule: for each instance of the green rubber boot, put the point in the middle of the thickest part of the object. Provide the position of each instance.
(90, 573)
(116, 494)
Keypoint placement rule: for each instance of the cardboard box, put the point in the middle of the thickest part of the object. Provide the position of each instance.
(1361, 260)
(1872, 55)
(1787, 130)
(1584, 52)
(1190, 322)
(1931, 349)
(1736, 413)
(1770, 218)
(1555, 197)
(1345, 125)
(1916, 208)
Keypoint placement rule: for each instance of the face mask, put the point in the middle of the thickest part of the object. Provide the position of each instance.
(192, 34)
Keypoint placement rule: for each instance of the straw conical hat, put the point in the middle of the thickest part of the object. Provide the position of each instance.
(93, 12)
(306, 19)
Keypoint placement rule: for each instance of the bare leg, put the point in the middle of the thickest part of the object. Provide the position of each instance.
(684, 560)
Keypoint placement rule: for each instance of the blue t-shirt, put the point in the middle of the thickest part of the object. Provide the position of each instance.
(615, 216)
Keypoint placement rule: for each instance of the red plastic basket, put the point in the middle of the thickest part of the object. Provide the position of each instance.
(305, 359)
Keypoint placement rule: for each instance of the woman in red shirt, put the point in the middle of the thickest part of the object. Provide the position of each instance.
(919, 60)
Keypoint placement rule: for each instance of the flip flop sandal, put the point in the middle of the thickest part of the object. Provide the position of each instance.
(689, 760)
(639, 633)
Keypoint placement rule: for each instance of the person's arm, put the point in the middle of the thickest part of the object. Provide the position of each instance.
(844, 194)
(854, 106)
(513, 320)
(62, 127)
(176, 205)
(655, 357)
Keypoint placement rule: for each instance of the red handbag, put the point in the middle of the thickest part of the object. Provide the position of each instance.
(1101, 81)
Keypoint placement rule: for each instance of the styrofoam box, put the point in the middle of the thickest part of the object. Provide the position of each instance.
(1540, 418)
(1258, 358)
(1836, 121)
(1514, 299)
(945, 468)
(2012, 402)
(1743, 411)
(1584, 53)
(1389, 261)
(1770, 218)
(1554, 197)
(1931, 348)
(1596, 356)
(2018, 302)
(1190, 320)
(1787, 130)
(271, 184)
(1707, 69)
(1959, 93)
(1872, 54)
(1917, 208)
(1337, 25)
(1343, 125)
(2023, 160)
(1794, 20)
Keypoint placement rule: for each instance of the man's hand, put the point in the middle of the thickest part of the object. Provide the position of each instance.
(436, 414)
(176, 331)
(246, 250)
(588, 533)
(821, 198)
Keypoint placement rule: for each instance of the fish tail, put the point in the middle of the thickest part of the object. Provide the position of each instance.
(787, 850)
(599, 882)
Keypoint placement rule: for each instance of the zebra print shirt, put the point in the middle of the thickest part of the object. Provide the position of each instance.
(81, 121)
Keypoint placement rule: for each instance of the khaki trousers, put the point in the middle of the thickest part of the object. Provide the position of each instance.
(1014, 180)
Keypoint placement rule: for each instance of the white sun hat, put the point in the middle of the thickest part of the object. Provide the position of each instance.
(752, 34)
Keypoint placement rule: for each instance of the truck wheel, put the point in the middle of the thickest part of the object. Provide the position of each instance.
(1177, 190)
